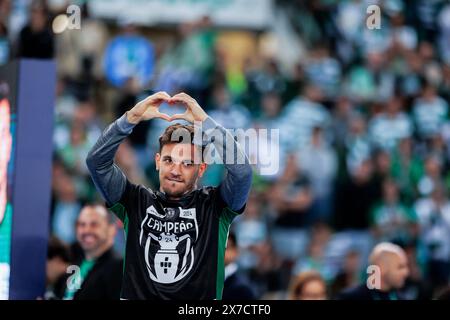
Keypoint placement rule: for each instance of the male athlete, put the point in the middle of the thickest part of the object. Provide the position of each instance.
(175, 237)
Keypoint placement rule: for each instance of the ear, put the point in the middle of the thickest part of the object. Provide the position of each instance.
(157, 158)
(202, 169)
(112, 231)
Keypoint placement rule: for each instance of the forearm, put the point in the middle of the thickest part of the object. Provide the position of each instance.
(236, 186)
(109, 180)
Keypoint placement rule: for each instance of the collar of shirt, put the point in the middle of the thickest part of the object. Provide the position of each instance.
(230, 270)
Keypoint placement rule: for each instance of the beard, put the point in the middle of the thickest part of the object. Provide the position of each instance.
(94, 245)
(177, 189)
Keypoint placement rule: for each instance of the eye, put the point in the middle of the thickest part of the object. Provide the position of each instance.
(167, 160)
(188, 163)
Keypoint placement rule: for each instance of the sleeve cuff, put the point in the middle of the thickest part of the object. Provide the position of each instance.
(123, 124)
(209, 124)
(201, 138)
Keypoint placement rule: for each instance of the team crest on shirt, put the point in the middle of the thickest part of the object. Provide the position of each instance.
(167, 240)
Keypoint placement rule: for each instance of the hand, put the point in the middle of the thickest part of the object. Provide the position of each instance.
(193, 110)
(149, 108)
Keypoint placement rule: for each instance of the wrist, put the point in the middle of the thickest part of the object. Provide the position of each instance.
(132, 119)
(209, 124)
(124, 125)
(202, 116)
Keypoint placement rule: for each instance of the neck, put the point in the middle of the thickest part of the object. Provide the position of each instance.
(176, 198)
(391, 202)
(94, 254)
(385, 287)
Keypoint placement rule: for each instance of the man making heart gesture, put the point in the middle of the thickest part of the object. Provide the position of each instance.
(175, 236)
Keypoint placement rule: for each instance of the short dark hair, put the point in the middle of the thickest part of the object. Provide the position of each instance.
(110, 218)
(176, 133)
(58, 249)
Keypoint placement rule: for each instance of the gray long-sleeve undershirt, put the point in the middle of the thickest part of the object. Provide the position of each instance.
(110, 181)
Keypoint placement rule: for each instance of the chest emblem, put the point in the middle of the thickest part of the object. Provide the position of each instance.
(168, 243)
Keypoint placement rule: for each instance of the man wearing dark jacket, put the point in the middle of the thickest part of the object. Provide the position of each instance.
(390, 270)
(98, 274)
(237, 286)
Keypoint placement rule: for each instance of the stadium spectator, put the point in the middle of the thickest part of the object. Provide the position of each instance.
(392, 270)
(434, 220)
(319, 162)
(58, 261)
(291, 198)
(387, 128)
(392, 220)
(36, 38)
(99, 273)
(236, 285)
(308, 285)
(430, 112)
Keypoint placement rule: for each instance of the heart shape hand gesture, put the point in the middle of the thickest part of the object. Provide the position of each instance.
(149, 108)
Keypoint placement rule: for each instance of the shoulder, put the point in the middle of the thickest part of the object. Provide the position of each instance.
(206, 191)
(110, 264)
(360, 292)
(211, 193)
(132, 197)
(214, 197)
(237, 286)
(135, 190)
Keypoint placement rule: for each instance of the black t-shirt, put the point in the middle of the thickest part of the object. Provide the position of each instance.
(174, 249)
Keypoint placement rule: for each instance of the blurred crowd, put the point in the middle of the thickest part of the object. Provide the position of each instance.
(363, 120)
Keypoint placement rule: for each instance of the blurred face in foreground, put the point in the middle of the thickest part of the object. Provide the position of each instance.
(178, 172)
(94, 232)
(313, 290)
(394, 270)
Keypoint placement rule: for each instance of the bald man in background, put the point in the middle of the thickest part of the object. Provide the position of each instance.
(392, 264)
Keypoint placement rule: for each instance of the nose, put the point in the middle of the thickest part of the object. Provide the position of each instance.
(85, 228)
(175, 169)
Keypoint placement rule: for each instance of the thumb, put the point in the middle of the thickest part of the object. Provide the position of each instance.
(163, 116)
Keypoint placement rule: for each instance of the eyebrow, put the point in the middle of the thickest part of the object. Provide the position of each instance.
(182, 159)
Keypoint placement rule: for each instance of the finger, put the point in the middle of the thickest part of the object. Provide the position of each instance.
(180, 94)
(182, 100)
(163, 116)
(157, 97)
(162, 95)
(181, 116)
(159, 100)
(183, 97)
(178, 98)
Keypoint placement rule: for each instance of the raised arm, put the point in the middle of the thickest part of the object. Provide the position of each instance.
(109, 180)
(236, 186)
